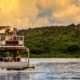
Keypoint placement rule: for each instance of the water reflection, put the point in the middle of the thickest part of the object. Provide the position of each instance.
(15, 76)
(47, 71)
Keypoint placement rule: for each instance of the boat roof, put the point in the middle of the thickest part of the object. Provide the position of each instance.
(4, 27)
(20, 48)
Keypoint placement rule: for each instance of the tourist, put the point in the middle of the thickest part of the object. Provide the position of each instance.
(14, 33)
(7, 31)
(18, 57)
(1, 59)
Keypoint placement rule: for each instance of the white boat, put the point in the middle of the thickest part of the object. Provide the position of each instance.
(7, 44)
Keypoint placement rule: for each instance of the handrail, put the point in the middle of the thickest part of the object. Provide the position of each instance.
(19, 39)
(2, 59)
(4, 37)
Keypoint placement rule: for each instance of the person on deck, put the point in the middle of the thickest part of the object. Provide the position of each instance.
(7, 33)
(18, 57)
(14, 33)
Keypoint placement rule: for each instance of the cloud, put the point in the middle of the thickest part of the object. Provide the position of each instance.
(59, 11)
(17, 12)
(40, 22)
(68, 15)
(35, 13)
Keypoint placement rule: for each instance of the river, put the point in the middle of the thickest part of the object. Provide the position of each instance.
(46, 69)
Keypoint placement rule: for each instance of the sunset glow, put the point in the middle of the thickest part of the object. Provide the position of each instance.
(37, 13)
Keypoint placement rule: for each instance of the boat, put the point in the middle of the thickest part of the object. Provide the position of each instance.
(10, 42)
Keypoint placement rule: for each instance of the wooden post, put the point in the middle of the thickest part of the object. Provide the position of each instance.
(18, 56)
(7, 53)
(28, 57)
(0, 40)
(17, 51)
(7, 58)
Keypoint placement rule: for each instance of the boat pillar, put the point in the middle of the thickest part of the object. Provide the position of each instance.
(28, 56)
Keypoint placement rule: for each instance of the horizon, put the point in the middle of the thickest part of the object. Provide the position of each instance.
(24, 14)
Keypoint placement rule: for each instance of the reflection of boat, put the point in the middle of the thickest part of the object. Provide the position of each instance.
(15, 44)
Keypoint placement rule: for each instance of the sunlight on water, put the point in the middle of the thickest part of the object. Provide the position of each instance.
(46, 71)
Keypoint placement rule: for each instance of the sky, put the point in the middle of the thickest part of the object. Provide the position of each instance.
(37, 13)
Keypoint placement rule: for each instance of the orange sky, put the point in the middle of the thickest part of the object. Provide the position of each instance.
(37, 13)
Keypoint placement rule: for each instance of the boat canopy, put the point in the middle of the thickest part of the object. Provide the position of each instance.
(4, 27)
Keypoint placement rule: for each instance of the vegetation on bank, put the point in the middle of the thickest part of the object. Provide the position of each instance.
(53, 41)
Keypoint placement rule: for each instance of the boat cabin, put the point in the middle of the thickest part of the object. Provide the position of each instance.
(10, 41)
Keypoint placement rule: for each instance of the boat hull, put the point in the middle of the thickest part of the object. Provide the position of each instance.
(14, 65)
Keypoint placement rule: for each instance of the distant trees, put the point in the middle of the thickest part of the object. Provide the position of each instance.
(73, 48)
(52, 39)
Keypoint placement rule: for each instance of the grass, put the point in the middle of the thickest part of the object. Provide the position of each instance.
(53, 41)
(56, 55)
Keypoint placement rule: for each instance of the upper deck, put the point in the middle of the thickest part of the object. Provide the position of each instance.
(11, 41)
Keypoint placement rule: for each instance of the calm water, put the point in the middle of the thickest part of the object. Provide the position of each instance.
(46, 71)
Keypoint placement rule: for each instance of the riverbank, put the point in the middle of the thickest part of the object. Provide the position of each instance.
(56, 55)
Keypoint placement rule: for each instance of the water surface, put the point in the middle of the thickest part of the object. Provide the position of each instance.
(46, 69)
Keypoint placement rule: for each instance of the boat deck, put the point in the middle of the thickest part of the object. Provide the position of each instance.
(14, 65)
(11, 41)
(13, 48)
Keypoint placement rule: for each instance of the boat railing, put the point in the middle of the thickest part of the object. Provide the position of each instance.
(13, 59)
(11, 40)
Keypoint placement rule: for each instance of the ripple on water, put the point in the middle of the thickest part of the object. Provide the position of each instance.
(47, 71)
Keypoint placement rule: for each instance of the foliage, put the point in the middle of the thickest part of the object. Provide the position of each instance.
(53, 40)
